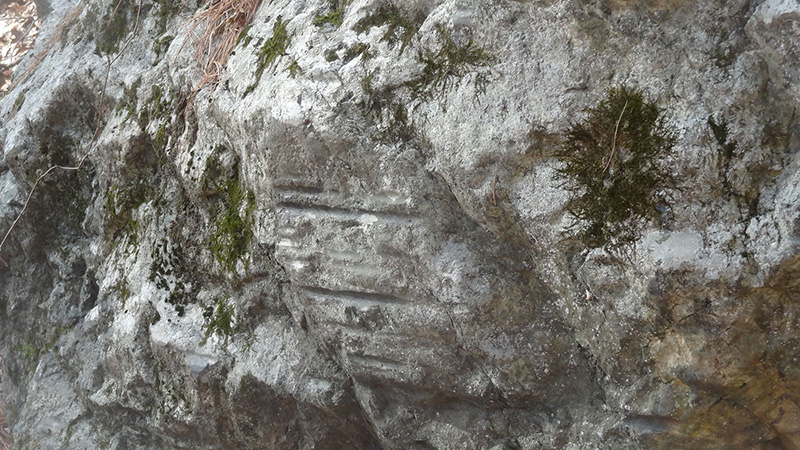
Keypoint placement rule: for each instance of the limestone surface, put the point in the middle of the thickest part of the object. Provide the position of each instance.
(353, 234)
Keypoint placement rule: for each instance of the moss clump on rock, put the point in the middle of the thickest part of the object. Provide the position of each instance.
(356, 50)
(441, 70)
(120, 204)
(157, 107)
(613, 167)
(167, 9)
(161, 44)
(232, 227)
(129, 100)
(294, 69)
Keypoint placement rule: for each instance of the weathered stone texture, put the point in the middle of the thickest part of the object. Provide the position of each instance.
(364, 246)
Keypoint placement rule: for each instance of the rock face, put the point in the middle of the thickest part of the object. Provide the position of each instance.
(358, 238)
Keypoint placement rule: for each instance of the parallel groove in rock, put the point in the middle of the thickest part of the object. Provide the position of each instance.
(354, 297)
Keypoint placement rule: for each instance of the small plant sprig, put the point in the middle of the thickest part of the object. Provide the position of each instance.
(219, 321)
(613, 168)
(335, 15)
(451, 62)
(400, 26)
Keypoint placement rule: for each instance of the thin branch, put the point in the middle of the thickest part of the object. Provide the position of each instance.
(494, 185)
(614, 142)
(89, 146)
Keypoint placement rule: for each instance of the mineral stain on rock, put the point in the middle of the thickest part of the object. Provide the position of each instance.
(356, 228)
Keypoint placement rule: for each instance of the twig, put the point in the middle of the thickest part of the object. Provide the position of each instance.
(113, 14)
(28, 200)
(89, 146)
(614, 142)
(494, 184)
(494, 178)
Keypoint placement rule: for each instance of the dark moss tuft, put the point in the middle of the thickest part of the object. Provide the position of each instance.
(161, 44)
(129, 101)
(166, 10)
(232, 233)
(294, 68)
(157, 107)
(613, 168)
(383, 107)
(330, 55)
(120, 203)
(168, 271)
(441, 68)
(356, 50)
(244, 37)
(720, 132)
(18, 102)
(115, 28)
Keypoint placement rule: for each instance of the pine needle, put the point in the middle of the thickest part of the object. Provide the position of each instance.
(223, 21)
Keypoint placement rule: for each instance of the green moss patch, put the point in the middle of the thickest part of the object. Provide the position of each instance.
(331, 55)
(124, 292)
(356, 50)
(168, 271)
(120, 203)
(232, 231)
(613, 168)
(18, 102)
(244, 37)
(130, 101)
(166, 11)
(161, 44)
(157, 107)
(388, 111)
(273, 48)
(294, 68)
(441, 68)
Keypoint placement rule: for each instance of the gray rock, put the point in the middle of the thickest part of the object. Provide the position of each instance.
(364, 242)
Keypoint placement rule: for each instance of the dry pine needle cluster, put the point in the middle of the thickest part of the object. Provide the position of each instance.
(222, 22)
